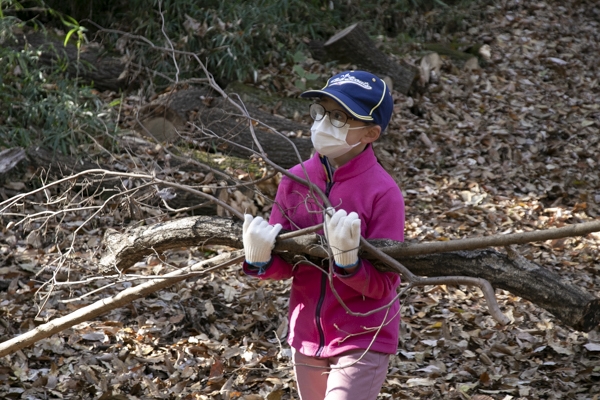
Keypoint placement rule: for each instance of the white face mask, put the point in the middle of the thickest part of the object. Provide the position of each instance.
(331, 141)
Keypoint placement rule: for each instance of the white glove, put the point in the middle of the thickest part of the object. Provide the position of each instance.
(343, 234)
(259, 239)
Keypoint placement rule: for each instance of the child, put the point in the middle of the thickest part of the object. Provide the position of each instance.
(349, 114)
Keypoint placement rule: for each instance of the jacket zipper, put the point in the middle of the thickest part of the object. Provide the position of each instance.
(318, 315)
(328, 187)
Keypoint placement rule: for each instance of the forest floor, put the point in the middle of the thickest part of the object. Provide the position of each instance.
(511, 147)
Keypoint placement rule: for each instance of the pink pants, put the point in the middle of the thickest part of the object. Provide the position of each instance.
(318, 379)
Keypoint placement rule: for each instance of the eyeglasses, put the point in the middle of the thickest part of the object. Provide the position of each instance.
(338, 118)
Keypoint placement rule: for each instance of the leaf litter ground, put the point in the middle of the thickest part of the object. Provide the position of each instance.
(514, 146)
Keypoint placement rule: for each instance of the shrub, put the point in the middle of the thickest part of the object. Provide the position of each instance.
(236, 38)
(40, 105)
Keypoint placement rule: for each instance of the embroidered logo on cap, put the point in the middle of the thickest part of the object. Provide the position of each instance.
(347, 78)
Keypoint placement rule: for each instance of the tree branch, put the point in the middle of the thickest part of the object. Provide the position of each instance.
(580, 229)
(105, 305)
(570, 304)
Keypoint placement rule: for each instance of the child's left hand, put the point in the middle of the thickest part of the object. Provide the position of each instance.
(342, 231)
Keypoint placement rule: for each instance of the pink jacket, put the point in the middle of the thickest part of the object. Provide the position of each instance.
(319, 325)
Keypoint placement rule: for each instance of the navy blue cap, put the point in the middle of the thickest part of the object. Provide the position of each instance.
(363, 95)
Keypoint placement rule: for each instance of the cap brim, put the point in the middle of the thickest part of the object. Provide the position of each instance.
(349, 105)
(312, 93)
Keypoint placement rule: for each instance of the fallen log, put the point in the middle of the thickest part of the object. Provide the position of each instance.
(163, 119)
(215, 120)
(568, 303)
(352, 45)
(464, 60)
(90, 64)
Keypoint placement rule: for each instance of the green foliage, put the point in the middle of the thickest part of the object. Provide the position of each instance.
(235, 38)
(73, 26)
(40, 106)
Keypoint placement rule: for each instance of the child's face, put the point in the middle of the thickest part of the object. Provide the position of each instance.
(354, 135)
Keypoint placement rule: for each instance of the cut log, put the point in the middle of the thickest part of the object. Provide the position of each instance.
(429, 68)
(165, 119)
(235, 129)
(352, 45)
(570, 304)
(461, 60)
(223, 127)
(9, 159)
(291, 108)
(160, 122)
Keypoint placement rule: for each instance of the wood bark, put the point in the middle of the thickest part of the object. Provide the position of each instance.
(352, 45)
(570, 304)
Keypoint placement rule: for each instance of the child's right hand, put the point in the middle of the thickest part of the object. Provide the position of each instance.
(259, 239)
